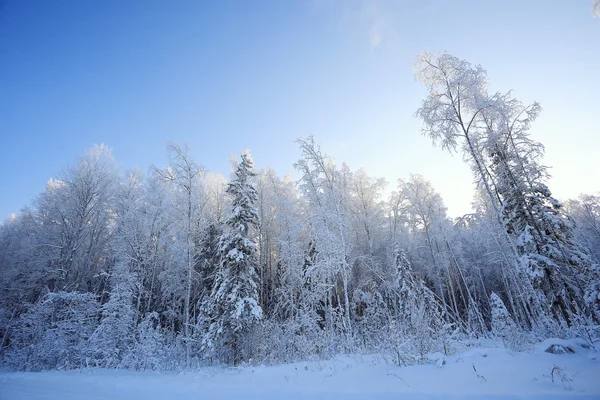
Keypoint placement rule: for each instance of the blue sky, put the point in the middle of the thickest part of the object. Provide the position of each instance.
(224, 76)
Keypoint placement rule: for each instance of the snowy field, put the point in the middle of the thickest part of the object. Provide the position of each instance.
(479, 372)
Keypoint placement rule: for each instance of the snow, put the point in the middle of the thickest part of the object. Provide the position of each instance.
(475, 373)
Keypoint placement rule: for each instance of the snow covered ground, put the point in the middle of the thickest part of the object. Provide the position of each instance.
(477, 372)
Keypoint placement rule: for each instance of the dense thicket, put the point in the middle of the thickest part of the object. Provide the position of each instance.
(180, 268)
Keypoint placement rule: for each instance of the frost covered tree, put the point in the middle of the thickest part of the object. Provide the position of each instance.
(423, 210)
(280, 240)
(185, 178)
(326, 188)
(437, 252)
(455, 115)
(367, 235)
(234, 297)
(141, 236)
(291, 331)
(585, 211)
(493, 132)
(453, 111)
(75, 213)
(267, 239)
(23, 268)
(367, 211)
(550, 257)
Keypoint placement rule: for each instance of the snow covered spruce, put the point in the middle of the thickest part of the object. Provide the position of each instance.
(233, 308)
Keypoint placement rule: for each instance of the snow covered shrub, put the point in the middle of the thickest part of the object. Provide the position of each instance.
(427, 331)
(587, 329)
(504, 327)
(148, 351)
(115, 335)
(53, 333)
(297, 338)
(278, 342)
(398, 348)
(502, 323)
(410, 342)
(418, 317)
(25, 352)
(371, 319)
(175, 353)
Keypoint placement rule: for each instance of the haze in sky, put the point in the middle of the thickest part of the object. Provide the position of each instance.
(229, 75)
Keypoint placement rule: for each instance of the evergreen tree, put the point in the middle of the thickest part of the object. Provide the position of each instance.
(234, 295)
(206, 265)
(207, 260)
(503, 326)
(550, 258)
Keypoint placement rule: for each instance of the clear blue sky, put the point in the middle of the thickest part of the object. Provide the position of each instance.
(224, 76)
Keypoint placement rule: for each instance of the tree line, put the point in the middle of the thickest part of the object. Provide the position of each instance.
(179, 268)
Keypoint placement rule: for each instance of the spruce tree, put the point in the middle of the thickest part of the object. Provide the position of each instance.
(234, 296)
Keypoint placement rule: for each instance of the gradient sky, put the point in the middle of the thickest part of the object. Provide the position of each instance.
(224, 76)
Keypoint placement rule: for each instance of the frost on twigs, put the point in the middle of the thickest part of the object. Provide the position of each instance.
(560, 374)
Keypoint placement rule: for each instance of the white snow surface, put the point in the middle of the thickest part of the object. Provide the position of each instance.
(475, 373)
